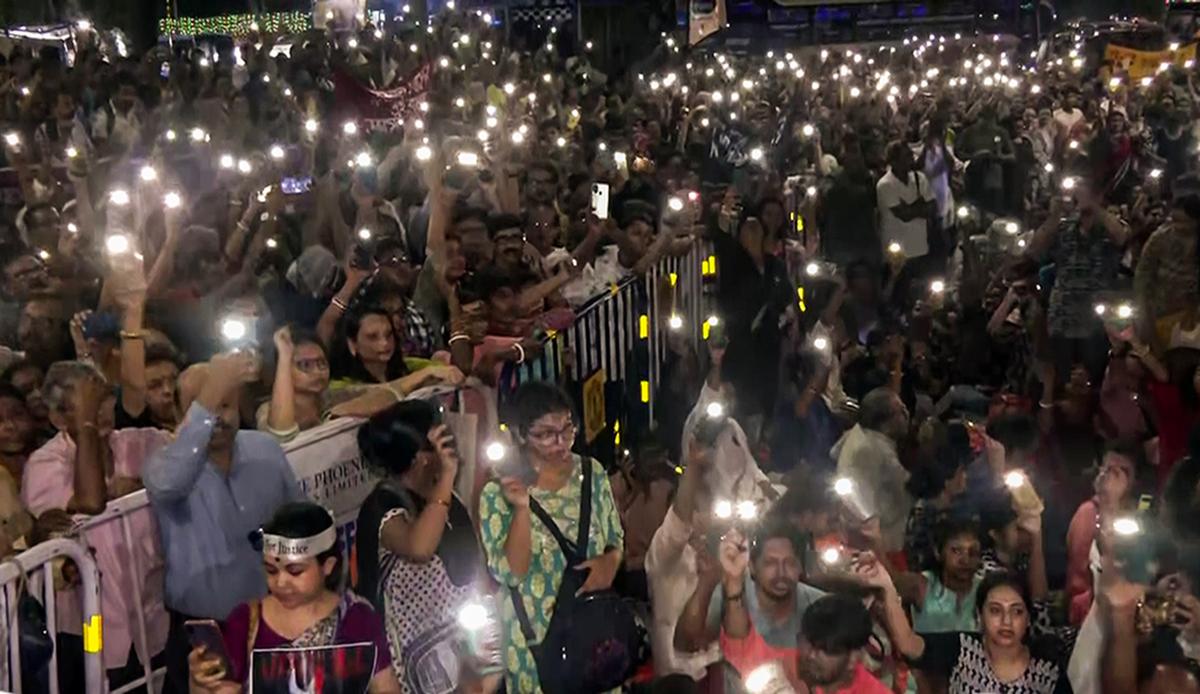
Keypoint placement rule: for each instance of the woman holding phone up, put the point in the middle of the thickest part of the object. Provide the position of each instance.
(304, 609)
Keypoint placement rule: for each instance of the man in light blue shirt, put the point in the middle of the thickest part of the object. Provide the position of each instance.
(210, 489)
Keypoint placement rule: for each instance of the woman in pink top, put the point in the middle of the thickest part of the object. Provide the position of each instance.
(1116, 486)
(78, 472)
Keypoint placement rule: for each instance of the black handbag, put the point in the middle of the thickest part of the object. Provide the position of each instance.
(37, 646)
(593, 642)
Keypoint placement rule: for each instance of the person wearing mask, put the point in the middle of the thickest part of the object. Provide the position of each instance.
(834, 634)
(305, 607)
(756, 614)
(997, 659)
(522, 554)
(1166, 282)
(78, 472)
(418, 558)
(673, 563)
(866, 455)
(209, 489)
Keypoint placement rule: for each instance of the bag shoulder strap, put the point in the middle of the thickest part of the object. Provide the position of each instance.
(570, 549)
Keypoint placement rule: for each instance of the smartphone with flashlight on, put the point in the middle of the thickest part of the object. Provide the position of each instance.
(238, 333)
(600, 200)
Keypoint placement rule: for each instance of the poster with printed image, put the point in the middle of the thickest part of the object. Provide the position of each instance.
(341, 669)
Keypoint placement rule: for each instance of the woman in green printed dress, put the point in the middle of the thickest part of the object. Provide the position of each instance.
(521, 552)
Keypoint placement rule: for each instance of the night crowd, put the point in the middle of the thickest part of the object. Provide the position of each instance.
(937, 435)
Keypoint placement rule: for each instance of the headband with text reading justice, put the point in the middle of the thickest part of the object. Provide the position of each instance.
(299, 548)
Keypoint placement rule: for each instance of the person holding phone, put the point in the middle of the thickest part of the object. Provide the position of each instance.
(419, 560)
(521, 552)
(998, 658)
(305, 608)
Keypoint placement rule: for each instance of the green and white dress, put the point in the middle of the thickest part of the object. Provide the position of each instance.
(539, 587)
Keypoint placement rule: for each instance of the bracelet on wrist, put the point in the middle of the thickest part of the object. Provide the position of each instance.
(520, 352)
(457, 337)
(338, 304)
(133, 334)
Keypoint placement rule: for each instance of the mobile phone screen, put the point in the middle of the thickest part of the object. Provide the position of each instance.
(295, 185)
(205, 632)
(600, 200)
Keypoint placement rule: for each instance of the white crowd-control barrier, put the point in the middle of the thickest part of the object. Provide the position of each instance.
(33, 571)
(610, 334)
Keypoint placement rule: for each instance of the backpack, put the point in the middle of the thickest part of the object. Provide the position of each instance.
(593, 642)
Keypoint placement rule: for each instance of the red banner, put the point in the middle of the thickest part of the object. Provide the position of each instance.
(380, 109)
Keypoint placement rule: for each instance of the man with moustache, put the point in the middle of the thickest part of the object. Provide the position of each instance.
(210, 489)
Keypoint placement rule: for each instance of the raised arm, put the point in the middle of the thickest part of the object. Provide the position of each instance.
(171, 472)
(281, 412)
(91, 494)
(417, 538)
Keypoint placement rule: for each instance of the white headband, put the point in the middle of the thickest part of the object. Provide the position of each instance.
(299, 548)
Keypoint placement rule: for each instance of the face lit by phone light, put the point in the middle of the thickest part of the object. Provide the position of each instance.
(777, 567)
(374, 342)
(296, 583)
(1004, 617)
(550, 437)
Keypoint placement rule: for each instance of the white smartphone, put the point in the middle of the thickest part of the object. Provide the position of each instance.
(600, 200)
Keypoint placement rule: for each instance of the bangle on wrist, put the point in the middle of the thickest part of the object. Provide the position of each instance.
(456, 337)
(133, 334)
(338, 304)
(1046, 405)
(520, 352)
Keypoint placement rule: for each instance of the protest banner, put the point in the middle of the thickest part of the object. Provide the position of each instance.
(380, 109)
(1139, 64)
(341, 669)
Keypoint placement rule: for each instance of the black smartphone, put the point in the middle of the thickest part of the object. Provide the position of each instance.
(206, 632)
(360, 257)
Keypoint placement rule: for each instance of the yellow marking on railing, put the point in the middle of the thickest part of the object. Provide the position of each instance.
(644, 326)
(704, 329)
(712, 264)
(674, 278)
(93, 635)
(645, 391)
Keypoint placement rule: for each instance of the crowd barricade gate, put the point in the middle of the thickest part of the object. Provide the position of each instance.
(39, 561)
(624, 332)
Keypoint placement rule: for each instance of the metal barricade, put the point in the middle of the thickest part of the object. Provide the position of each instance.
(41, 558)
(120, 511)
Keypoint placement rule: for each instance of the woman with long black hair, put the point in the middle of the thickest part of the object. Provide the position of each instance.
(418, 557)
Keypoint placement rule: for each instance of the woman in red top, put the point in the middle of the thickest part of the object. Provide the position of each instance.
(1175, 394)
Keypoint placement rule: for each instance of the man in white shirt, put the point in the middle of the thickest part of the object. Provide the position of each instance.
(1069, 116)
(671, 569)
(906, 204)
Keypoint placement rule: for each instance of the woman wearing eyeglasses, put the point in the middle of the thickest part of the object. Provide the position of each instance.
(522, 554)
(302, 399)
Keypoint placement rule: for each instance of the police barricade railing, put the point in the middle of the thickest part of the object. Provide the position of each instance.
(329, 470)
(37, 566)
(623, 332)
